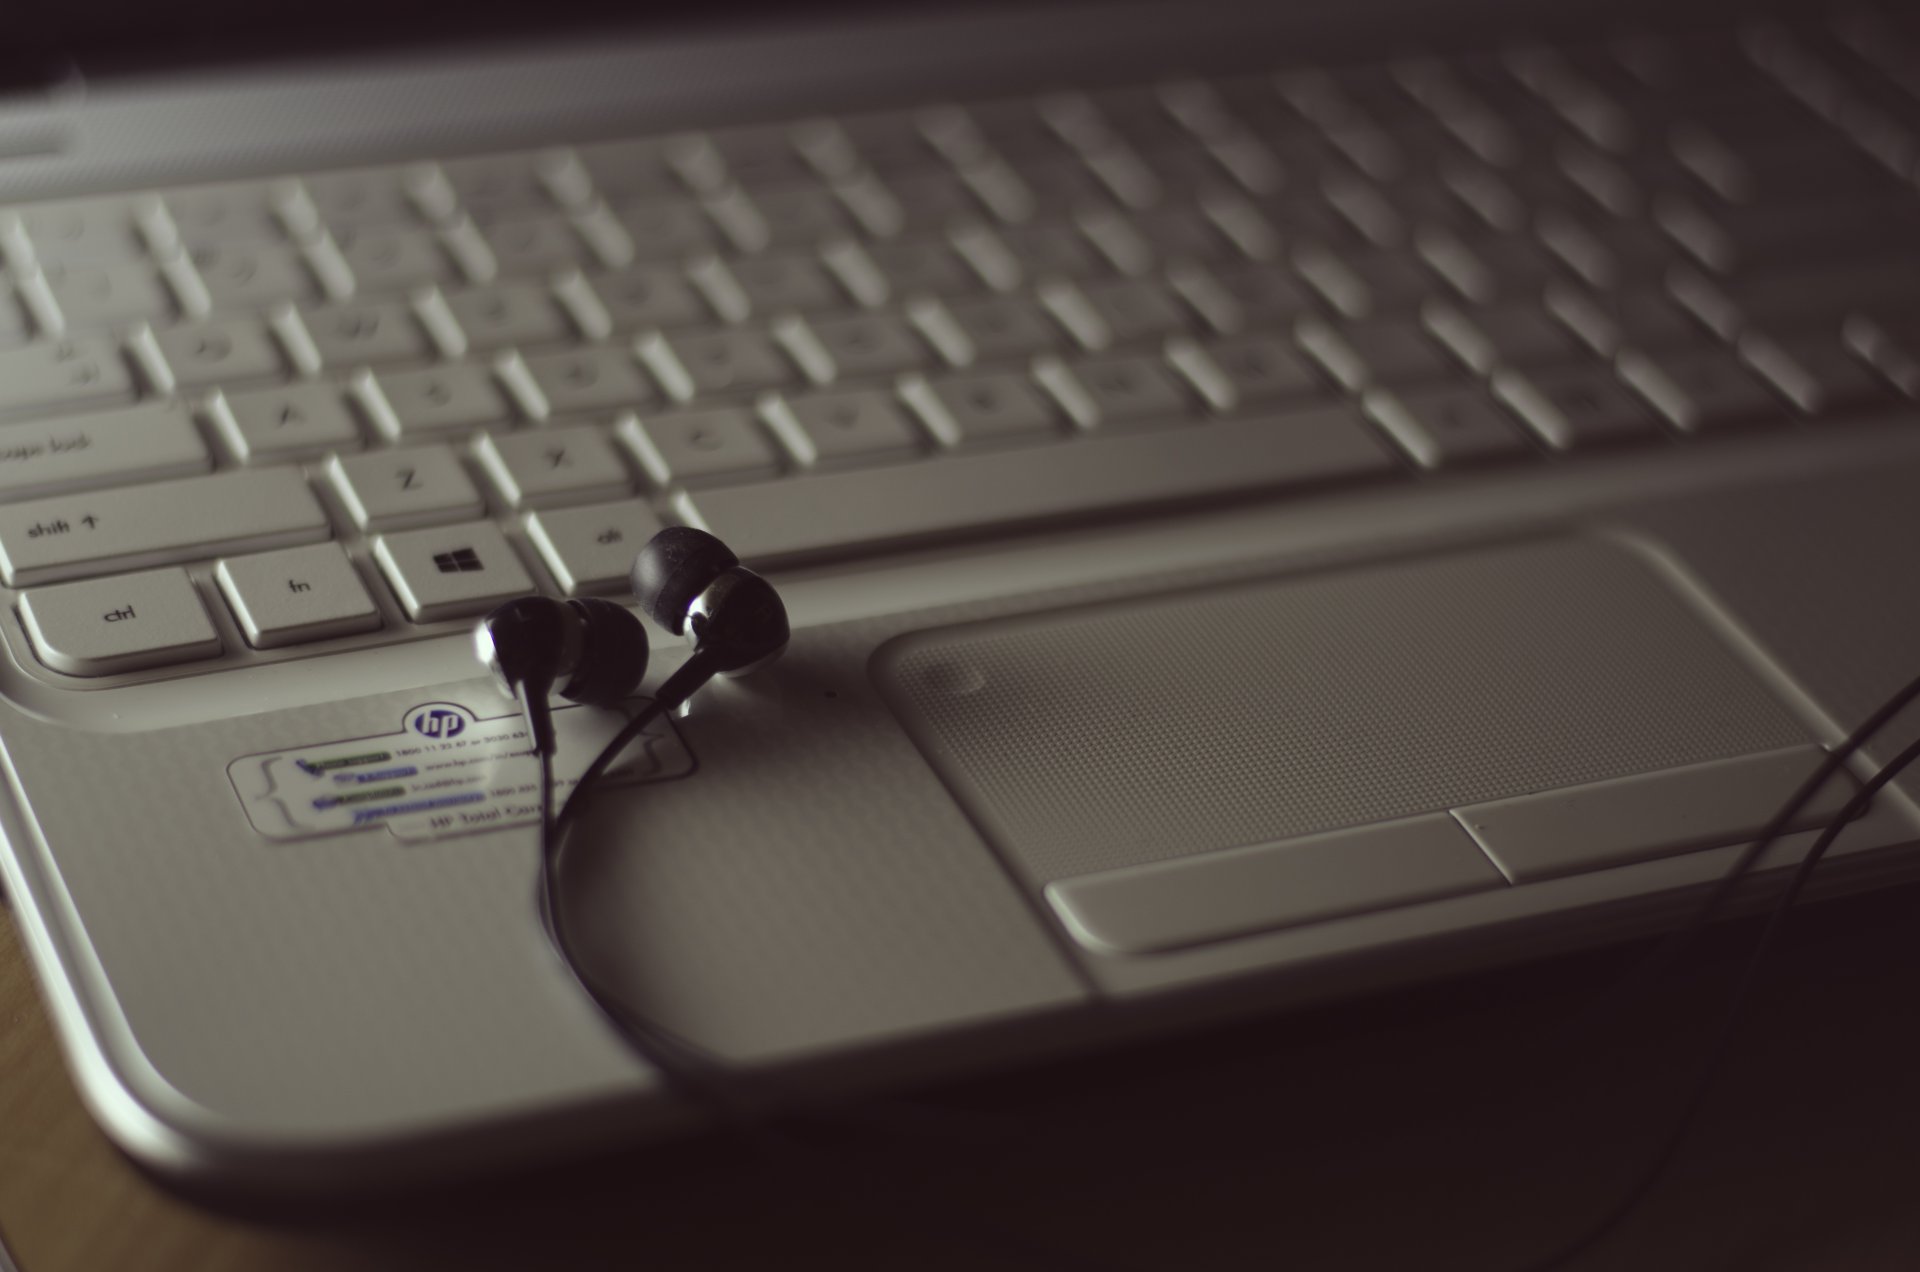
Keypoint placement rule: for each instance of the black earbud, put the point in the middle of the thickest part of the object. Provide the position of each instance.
(692, 584)
(588, 650)
(595, 651)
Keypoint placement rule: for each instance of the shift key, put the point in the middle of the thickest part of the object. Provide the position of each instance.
(72, 536)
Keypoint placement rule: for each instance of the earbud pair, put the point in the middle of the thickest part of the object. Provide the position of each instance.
(595, 651)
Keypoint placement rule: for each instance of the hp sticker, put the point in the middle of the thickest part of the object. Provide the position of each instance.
(446, 771)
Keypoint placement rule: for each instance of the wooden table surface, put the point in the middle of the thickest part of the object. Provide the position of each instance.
(1467, 1125)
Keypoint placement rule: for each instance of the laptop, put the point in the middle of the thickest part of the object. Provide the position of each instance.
(1272, 504)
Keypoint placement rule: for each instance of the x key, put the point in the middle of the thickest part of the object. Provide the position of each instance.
(553, 465)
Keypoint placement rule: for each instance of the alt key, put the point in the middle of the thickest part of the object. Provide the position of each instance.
(303, 594)
(125, 623)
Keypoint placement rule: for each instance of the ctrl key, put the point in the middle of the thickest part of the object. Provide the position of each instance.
(125, 623)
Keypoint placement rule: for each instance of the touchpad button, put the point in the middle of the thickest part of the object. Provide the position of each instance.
(1108, 742)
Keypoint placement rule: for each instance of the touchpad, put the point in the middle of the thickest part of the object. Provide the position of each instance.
(1348, 740)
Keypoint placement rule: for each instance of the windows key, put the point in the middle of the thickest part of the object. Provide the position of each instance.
(451, 571)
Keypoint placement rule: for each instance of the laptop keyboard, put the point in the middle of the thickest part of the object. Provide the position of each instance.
(273, 417)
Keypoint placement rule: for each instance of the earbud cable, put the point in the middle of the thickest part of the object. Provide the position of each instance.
(676, 689)
(707, 1081)
(1722, 1046)
(694, 1073)
(681, 1063)
(1670, 948)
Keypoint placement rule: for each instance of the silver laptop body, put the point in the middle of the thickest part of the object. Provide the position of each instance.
(1265, 515)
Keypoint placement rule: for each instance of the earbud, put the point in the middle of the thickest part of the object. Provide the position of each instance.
(595, 651)
(588, 650)
(691, 583)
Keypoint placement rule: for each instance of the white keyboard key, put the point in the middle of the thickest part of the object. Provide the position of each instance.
(757, 158)
(393, 260)
(522, 314)
(1446, 426)
(905, 270)
(289, 422)
(1244, 370)
(218, 351)
(986, 328)
(342, 200)
(412, 486)
(993, 406)
(452, 570)
(450, 398)
(72, 535)
(714, 362)
(868, 509)
(236, 212)
(1573, 406)
(491, 185)
(665, 228)
(301, 594)
(250, 276)
(63, 375)
(862, 424)
(97, 295)
(1104, 314)
(624, 170)
(591, 549)
(762, 285)
(689, 446)
(85, 230)
(553, 465)
(1243, 297)
(842, 345)
(75, 452)
(745, 223)
(365, 333)
(102, 626)
(524, 245)
(649, 296)
(1114, 392)
(596, 379)
(1386, 351)
(802, 216)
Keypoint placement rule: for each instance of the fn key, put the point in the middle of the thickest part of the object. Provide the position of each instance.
(302, 594)
(125, 623)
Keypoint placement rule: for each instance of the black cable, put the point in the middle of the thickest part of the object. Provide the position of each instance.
(1674, 944)
(1668, 950)
(705, 1079)
(692, 1071)
(673, 691)
(1722, 1045)
(682, 1064)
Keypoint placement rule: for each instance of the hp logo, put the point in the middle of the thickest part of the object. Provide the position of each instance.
(438, 722)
